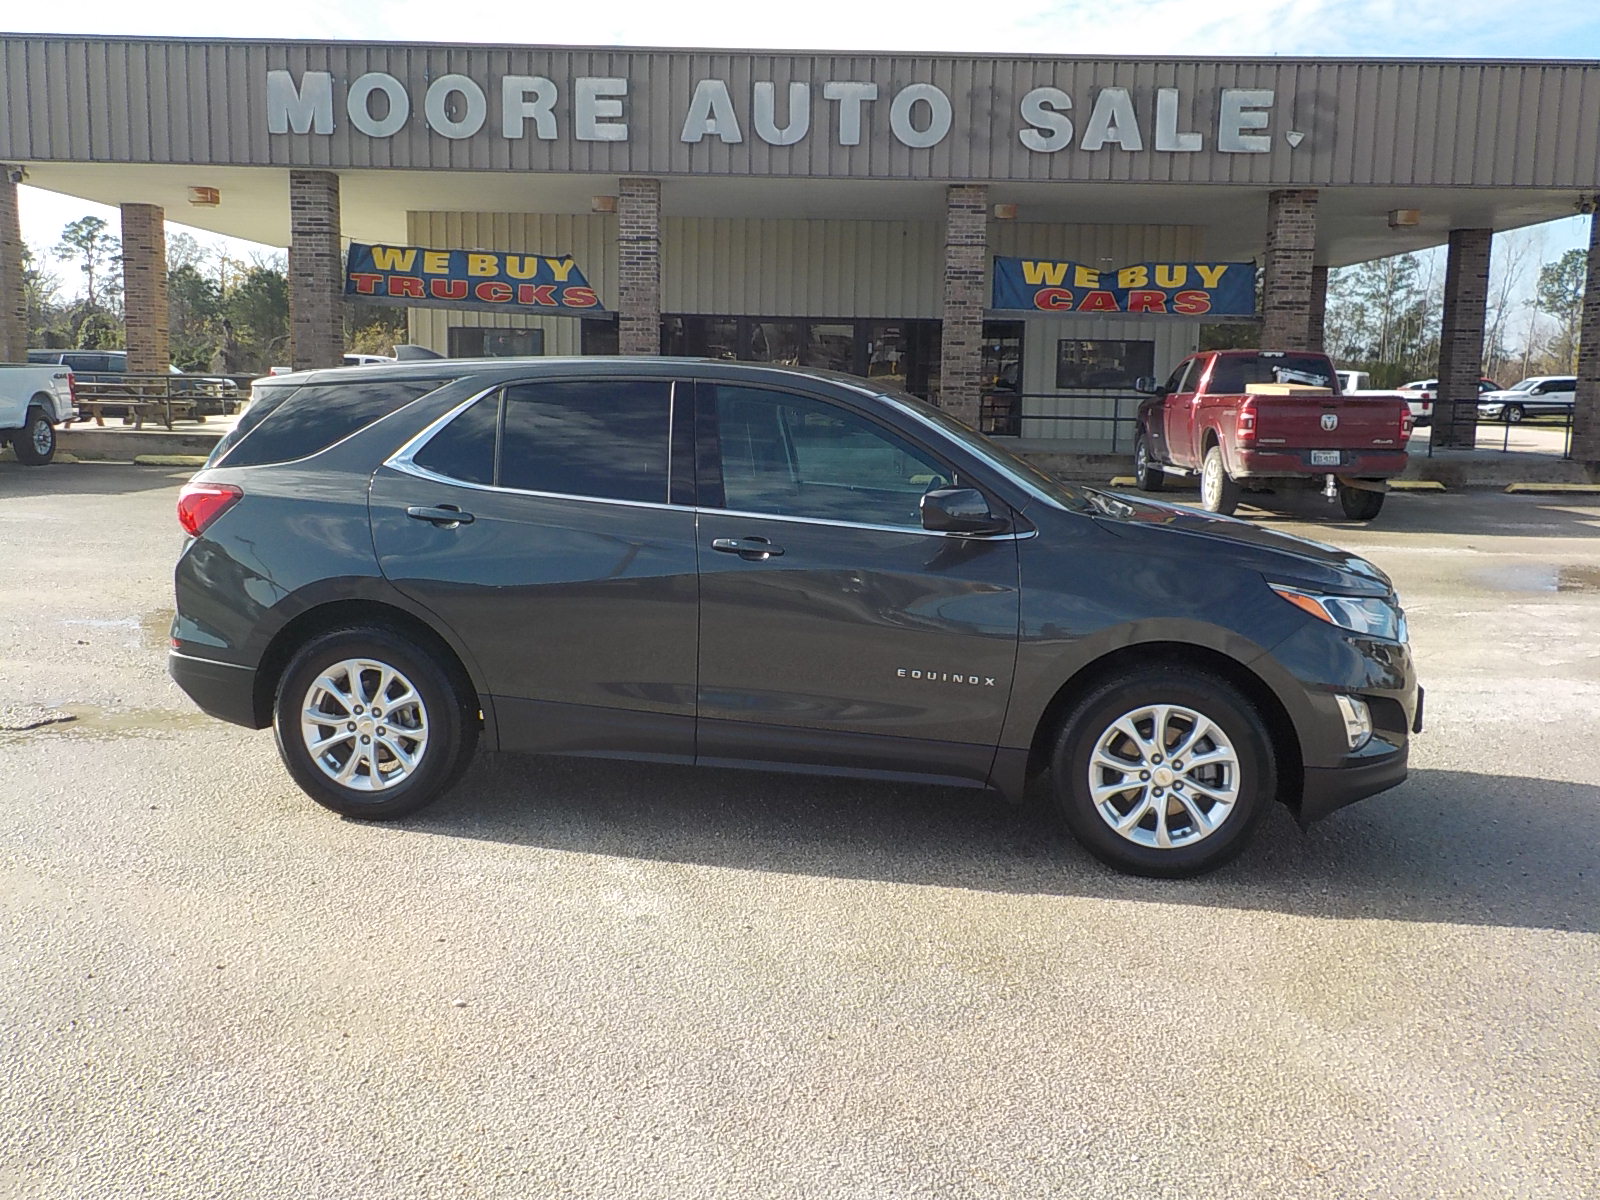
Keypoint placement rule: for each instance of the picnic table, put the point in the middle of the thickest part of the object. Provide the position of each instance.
(167, 398)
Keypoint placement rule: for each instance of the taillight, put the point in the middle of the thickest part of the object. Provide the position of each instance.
(1246, 425)
(199, 504)
(1406, 422)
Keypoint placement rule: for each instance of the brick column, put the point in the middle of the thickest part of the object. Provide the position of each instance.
(316, 270)
(966, 261)
(1586, 416)
(144, 287)
(1286, 296)
(1319, 309)
(13, 297)
(639, 266)
(1466, 295)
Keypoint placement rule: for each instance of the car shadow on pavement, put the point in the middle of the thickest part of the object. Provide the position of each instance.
(61, 480)
(1446, 846)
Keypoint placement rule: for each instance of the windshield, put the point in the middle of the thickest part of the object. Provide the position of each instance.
(1527, 385)
(1046, 487)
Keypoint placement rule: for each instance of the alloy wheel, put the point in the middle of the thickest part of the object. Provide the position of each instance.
(1164, 776)
(364, 725)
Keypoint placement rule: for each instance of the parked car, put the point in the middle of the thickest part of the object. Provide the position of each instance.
(1422, 394)
(367, 360)
(757, 566)
(1538, 396)
(1357, 383)
(34, 399)
(111, 366)
(1268, 417)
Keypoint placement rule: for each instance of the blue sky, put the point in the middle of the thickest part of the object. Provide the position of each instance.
(1422, 28)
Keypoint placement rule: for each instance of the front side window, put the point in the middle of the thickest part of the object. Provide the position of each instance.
(606, 439)
(794, 456)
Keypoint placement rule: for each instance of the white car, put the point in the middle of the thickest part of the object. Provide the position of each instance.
(34, 399)
(1537, 396)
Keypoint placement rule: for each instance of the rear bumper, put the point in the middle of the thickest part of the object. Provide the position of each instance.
(1276, 463)
(221, 689)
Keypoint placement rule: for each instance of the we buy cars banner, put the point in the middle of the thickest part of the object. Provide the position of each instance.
(479, 279)
(1148, 289)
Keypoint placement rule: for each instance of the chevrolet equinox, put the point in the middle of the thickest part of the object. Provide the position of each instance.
(755, 566)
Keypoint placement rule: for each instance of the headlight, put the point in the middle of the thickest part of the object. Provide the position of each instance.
(1370, 615)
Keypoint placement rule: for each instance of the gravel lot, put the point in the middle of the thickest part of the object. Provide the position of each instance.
(608, 980)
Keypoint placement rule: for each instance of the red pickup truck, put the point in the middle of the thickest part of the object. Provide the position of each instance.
(1254, 416)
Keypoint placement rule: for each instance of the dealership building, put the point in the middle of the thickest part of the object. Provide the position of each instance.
(1015, 237)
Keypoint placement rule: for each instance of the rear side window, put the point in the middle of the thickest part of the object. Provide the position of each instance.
(464, 449)
(289, 423)
(609, 439)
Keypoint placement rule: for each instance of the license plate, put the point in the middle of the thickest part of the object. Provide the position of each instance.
(1324, 458)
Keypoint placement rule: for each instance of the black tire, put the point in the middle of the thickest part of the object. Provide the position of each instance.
(1247, 783)
(1358, 503)
(1219, 491)
(35, 443)
(1513, 414)
(448, 715)
(1147, 473)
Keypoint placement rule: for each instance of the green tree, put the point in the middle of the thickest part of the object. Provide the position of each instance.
(89, 244)
(1559, 293)
(194, 303)
(256, 308)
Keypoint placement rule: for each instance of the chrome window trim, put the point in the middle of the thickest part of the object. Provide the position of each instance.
(403, 460)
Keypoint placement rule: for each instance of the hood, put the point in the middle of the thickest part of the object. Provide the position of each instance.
(1503, 394)
(1282, 557)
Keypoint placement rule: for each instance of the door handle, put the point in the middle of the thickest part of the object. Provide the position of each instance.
(751, 549)
(447, 516)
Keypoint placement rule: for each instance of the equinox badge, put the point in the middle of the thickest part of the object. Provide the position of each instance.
(945, 677)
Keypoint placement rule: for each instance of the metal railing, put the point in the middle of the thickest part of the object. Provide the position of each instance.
(162, 396)
(1477, 421)
(1001, 414)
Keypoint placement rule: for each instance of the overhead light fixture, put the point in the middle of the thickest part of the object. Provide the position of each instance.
(603, 204)
(205, 197)
(1404, 218)
(1005, 212)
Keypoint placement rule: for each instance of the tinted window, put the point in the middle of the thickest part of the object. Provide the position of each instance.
(1233, 372)
(602, 438)
(795, 456)
(284, 424)
(464, 449)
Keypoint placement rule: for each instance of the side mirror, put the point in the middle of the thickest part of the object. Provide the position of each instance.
(1145, 385)
(960, 510)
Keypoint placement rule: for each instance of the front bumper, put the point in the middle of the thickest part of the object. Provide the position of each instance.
(220, 689)
(1328, 789)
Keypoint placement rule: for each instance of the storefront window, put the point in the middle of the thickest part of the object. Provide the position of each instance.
(1002, 356)
(772, 341)
(598, 338)
(1083, 363)
(831, 346)
(476, 342)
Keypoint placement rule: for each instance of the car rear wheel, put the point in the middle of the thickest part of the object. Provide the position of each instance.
(35, 442)
(1164, 772)
(1359, 504)
(1147, 474)
(1513, 413)
(370, 725)
(1219, 492)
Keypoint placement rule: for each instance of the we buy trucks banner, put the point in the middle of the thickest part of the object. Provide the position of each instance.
(1148, 289)
(479, 279)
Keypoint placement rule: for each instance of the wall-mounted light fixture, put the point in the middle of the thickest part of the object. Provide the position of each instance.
(1404, 218)
(603, 204)
(205, 197)
(1005, 212)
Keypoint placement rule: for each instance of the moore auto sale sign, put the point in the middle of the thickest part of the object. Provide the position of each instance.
(919, 114)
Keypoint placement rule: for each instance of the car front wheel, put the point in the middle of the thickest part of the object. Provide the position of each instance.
(1513, 413)
(1147, 474)
(371, 725)
(35, 442)
(1164, 772)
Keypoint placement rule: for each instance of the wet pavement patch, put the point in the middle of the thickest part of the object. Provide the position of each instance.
(19, 718)
(1543, 577)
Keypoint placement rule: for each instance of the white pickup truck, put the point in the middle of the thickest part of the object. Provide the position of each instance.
(33, 401)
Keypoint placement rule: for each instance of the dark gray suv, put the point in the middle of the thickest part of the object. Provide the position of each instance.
(743, 565)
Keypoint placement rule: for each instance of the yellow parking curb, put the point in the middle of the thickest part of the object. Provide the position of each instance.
(169, 460)
(1416, 485)
(1537, 489)
(1123, 481)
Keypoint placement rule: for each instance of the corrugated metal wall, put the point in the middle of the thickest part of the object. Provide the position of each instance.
(1388, 123)
(790, 268)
